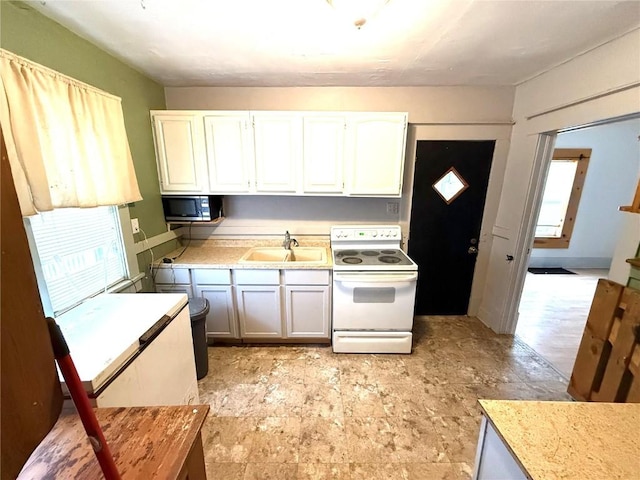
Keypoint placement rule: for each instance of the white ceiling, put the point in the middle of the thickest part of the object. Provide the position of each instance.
(307, 43)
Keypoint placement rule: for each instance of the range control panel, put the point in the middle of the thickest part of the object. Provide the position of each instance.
(365, 233)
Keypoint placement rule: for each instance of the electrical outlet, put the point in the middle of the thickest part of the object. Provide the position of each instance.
(392, 208)
(135, 226)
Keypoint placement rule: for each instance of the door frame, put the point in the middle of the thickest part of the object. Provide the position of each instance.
(501, 134)
(526, 234)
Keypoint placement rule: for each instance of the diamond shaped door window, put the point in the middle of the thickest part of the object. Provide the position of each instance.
(450, 185)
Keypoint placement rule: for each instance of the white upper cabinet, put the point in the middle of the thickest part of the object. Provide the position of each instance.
(180, 153)
(323, 153)
(229, 147)
(281, 153)
(278, 145)
(376, 150)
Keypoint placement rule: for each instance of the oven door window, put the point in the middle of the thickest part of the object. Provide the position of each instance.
(374, 295)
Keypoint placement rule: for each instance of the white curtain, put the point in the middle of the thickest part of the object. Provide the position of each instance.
(66, 140)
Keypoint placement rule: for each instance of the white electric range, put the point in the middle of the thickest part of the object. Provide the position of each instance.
(374, 289)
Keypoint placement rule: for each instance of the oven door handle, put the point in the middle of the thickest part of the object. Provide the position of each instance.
(375, 278)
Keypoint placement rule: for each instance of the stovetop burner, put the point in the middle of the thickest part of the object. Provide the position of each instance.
(352, 260)
(369, 248)
(389, 259)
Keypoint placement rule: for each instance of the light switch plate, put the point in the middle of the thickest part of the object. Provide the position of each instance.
(135, 226)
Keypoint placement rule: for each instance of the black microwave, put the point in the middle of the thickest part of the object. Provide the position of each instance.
(191, 208)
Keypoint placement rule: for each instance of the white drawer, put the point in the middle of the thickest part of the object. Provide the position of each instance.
(210, 276)
(257, 277)
(306, 277)
(172, 275)
(175, 288)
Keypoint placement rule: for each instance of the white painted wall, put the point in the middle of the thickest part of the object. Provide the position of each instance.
(601, 84)
(610, 182)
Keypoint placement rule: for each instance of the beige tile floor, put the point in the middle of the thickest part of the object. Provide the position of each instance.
(553, 312)
(302, 412)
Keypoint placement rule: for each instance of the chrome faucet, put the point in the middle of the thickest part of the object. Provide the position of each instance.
(288, 241)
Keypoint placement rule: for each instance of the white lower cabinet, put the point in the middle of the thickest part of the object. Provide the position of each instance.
(259, 311)
(221, 319)
(173, 280)
(215, 286)
(257, 304)
(494, 461)
(307, 303)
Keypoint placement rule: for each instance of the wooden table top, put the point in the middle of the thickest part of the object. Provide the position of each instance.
(146, 442)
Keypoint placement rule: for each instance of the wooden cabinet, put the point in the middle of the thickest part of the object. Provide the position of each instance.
(307, 303)
(229, 151)
(215, 286)
(180, 153)
(283, 153)
(375, 154)
(277, 139)
(323, 153)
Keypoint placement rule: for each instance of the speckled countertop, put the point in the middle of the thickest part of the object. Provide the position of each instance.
(570, 440)
(227, 253)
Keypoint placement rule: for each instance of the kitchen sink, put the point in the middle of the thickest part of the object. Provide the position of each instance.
(280, 255)
(265, 255)
(308, 254)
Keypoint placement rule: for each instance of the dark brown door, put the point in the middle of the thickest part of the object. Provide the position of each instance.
(445, 226)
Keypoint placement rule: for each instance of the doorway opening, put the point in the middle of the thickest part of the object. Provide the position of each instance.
(553, 309)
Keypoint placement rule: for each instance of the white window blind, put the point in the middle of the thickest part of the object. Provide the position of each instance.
(80, 252)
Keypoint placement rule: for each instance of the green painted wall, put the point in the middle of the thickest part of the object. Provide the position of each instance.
(26, 32)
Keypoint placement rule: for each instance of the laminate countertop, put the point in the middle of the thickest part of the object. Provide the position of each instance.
(227, 254)
(569, 440)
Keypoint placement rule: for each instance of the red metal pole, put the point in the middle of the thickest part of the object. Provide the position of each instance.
(81, 401)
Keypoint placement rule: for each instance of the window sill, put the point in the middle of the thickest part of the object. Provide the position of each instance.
(630, 209)
(124, 284)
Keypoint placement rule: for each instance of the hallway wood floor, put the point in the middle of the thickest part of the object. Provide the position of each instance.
(553, 312)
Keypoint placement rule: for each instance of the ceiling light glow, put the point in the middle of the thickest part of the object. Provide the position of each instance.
(358, 12)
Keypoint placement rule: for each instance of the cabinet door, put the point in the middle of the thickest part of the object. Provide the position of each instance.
(221, 319)
(277, 142)
(307, 311)
(259, 311)
(180, 153)
(323, 153)
(229, 152)
(376, 153)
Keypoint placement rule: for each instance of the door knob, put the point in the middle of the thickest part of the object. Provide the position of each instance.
(472, 250)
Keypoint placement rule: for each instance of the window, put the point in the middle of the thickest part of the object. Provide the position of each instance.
(561, 197)
(78, 252)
